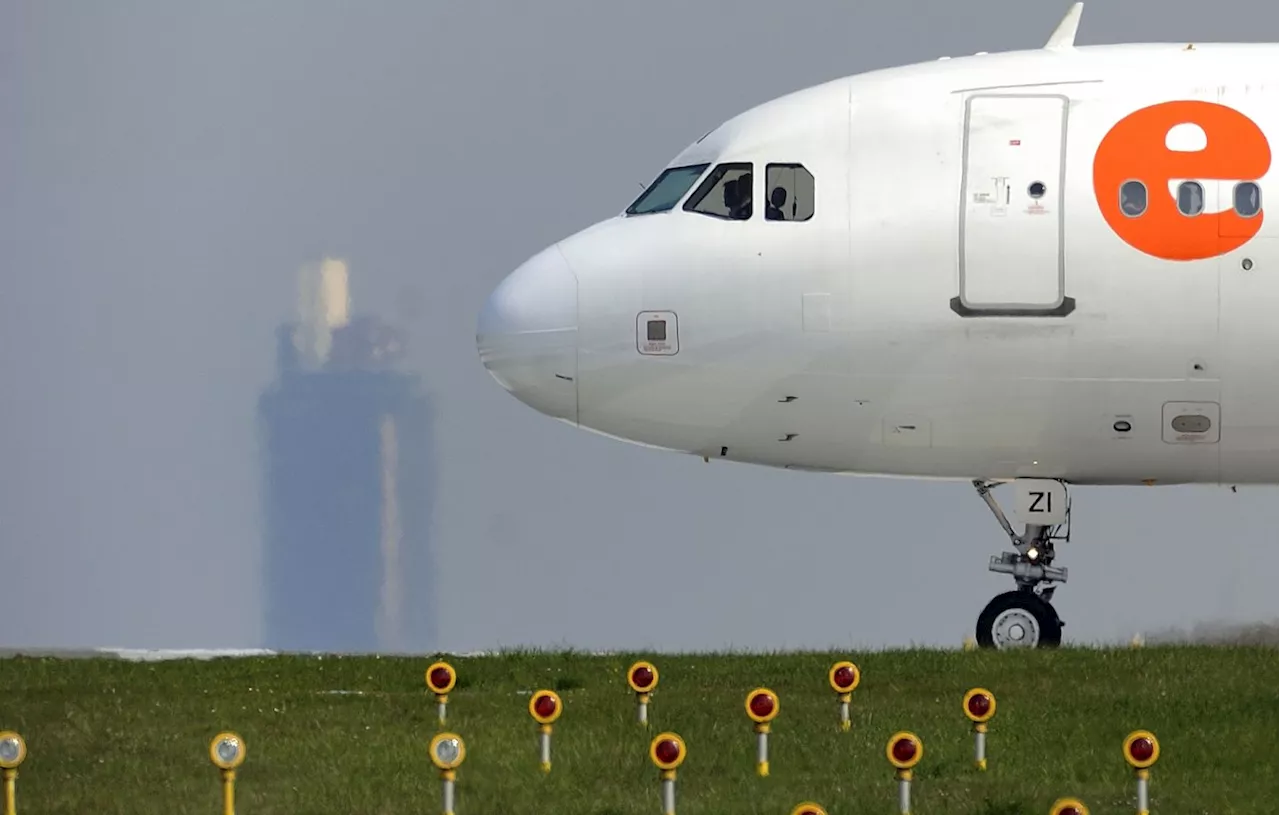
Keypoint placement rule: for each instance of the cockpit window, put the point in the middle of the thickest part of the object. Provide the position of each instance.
(667, 190)
(790, 189)
(725, 193)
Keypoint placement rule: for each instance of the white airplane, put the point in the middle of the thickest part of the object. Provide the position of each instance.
(1044, 267)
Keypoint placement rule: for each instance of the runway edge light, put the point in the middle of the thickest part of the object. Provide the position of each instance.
(227, 751)
(762, 708)
(13, 751)
(904, 752)
(1141, 750)
(643, 679)
(667, 751)
(545, 707)
(1068, 806)
(808, 808)
(447, 751)
(979, 706)
(441, 677)
(844, 677)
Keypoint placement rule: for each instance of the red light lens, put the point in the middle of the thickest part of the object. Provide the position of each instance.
(439, 677)
(844, 677)
(979, 704)
(667, 751)
(762, 704)
(904, 750)
(1141, 749)
(642, 677)
(1068, 810)
(545, 706)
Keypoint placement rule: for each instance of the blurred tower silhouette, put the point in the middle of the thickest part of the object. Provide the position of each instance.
(348, 482)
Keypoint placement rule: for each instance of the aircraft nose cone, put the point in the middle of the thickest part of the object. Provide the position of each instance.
(527, 335)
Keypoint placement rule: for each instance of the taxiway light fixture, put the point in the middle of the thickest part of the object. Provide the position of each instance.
(1141, 751)
(545, 707)
(441, 677)
(13, 751)
(844, 678)
(762, 707)
(227, 751)
(904, 752)
(1068, 806)
(808, 809)
(979, 705)
(447, 752)
(643, 678)
(667, 751)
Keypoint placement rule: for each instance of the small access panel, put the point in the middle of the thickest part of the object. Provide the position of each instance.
(1011, 218)
(657, 333)
(1191, 422)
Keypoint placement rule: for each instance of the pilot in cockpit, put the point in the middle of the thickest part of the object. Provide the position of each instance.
(730, 196)
(741, 211)
(777, 199)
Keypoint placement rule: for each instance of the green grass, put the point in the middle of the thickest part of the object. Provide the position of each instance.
(109, 736)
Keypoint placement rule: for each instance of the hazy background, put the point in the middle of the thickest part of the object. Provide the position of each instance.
(166, 167)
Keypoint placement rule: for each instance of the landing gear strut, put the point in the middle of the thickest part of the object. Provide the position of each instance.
(1024, 618)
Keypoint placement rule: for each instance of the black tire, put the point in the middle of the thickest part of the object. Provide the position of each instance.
(1015, 611)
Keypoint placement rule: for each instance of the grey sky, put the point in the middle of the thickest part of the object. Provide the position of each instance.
(166, 167)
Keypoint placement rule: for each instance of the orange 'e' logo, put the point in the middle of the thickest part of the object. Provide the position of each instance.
(1233, 149)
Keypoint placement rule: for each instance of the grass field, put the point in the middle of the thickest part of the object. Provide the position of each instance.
(110, 736)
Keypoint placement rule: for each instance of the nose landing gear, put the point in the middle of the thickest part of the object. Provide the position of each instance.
(1024, 618)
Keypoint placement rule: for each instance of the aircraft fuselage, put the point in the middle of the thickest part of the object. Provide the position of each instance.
(975, 292)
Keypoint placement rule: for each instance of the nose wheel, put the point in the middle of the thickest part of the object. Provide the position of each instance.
(1019, 619)
(1024, 618)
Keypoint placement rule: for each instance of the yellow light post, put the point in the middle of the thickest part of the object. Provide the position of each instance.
(227, 751)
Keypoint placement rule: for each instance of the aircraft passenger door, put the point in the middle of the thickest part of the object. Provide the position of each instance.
(1011, 215)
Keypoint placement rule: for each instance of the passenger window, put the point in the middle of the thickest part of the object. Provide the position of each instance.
(726, 193)
(790, 189)
(1133, 198)
(1248, 199)
(1190, 198)
(669, 187)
